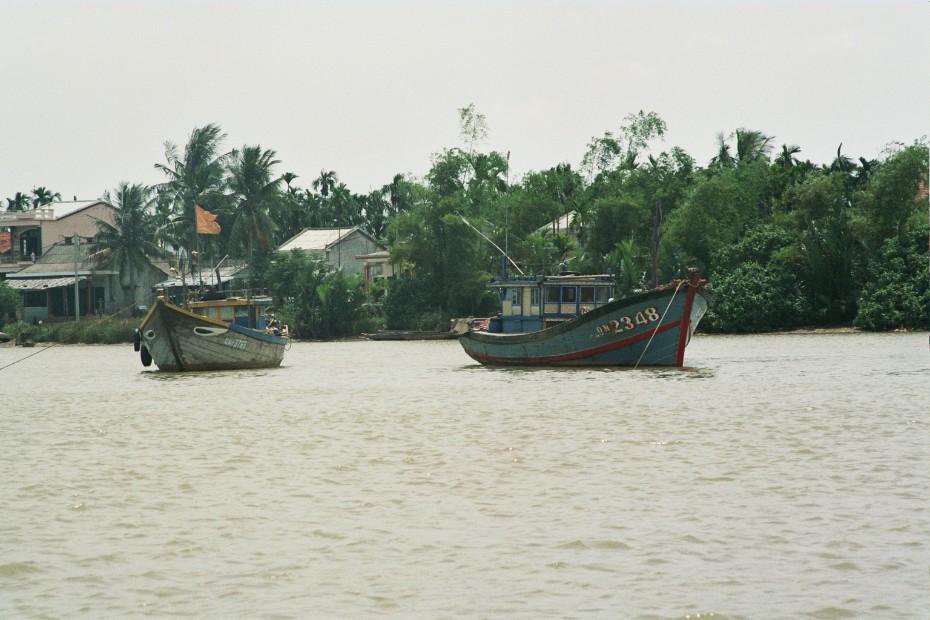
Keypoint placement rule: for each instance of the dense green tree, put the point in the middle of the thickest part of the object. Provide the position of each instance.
(439, 248)
(890, 201)
(128, 244)
(719, 209)
(899, 294)
(622, 150)
(318, 303)
(540, 198)
(9, 302)
(752, 298)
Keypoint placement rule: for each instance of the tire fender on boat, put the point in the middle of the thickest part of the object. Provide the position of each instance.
(137, 340)
(146, 356)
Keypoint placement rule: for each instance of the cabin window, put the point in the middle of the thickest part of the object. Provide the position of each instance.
(552, 294)
(569, 294)
(226, 313)
(604, 293)
(587, 294)
(534, 296)
(516, 297)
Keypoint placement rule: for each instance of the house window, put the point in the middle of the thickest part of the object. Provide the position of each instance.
(35, 299)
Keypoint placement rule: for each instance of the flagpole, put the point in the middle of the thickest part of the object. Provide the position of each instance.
(656, 223)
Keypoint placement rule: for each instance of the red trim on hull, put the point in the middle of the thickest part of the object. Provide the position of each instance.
(576, 354)
(685, 331)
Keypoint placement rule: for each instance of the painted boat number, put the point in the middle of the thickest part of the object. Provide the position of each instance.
(235, 343)
(626, 323)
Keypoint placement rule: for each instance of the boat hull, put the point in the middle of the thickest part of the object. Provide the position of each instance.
(647, 329)
(177, 341)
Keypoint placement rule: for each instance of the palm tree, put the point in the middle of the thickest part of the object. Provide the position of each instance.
(128, 244)
(195, 179)
(43, 196)
(254, 192)
(723, 157)
(787, 157)
(325, 183)
(19, 202)
(287, 177)
(751, 146)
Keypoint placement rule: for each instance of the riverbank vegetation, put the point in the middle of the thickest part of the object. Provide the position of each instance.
(86, 331)
(786, 242)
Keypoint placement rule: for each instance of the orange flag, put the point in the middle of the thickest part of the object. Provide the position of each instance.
(206, 222)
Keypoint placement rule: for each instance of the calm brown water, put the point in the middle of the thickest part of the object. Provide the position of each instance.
(780, 476)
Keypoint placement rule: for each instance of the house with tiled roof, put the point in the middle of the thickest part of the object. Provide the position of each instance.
(351, 249)
(48, 284)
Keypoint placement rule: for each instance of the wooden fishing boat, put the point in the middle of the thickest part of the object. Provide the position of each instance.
(572, 323)
(214, 334)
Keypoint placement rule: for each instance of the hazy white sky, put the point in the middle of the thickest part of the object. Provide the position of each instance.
(91, 91)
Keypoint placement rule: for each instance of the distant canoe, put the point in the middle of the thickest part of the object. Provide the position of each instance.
(646, 329)
(411, 335)
(179, 340)
(4, 337)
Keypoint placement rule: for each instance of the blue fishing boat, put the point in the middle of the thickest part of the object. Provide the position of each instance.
(572, 320)
(211, 334)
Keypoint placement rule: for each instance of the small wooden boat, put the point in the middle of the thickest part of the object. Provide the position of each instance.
(651, 328)
(393, 334)
(216, 334)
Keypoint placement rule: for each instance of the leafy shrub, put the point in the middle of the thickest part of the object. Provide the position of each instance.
(752, 299)
(899, 296)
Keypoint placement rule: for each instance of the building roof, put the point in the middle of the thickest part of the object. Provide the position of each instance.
(227, 273)
(58, 260)
(561, 225)
(38, 284)
(320, 239)
(4, 243)
(374, 256)
(68, 207)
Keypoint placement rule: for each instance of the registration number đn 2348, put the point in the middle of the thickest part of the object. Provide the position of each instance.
(625, 324)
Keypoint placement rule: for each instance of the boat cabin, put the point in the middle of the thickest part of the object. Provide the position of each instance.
(245, 312)
(532, 303)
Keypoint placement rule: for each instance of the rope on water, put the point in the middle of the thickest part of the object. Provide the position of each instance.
(659, 324)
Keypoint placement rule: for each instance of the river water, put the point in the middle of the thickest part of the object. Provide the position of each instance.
(777, 476)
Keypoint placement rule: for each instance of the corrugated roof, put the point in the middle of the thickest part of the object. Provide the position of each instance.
(36, 284)
(227, 273)
(59, 259)
(316, 239)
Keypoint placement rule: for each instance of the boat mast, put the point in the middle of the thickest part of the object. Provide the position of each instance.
(497, 247)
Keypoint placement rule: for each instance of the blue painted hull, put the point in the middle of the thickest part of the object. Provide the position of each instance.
(647, 329)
